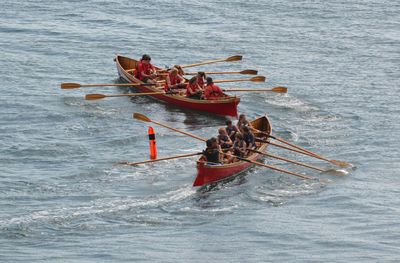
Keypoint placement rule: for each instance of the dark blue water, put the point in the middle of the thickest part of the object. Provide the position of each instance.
(64, 199)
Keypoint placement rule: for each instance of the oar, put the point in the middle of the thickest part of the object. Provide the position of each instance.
(309, 153)
(78, 85)
(230, 59)
(253, 79)
(102, 96)
(243, 72)
(161, 159)
(276, 89)
(335, 162)
(144, 118)
(289, 160)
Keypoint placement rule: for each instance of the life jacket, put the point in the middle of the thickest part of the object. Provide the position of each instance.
(229, 130)
(224, 139)
(194, 87)
(212, 91)
(237, 147)
(173, 80)
(212, 155)
(200, 81)
(145, 68)
(248, 138)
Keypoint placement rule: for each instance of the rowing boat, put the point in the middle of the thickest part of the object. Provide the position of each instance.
(208, 174)
(227, 106)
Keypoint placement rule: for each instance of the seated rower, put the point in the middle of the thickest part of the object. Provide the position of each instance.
(231, 130)
(193, 90)
(212, 91)
(243, 122)
(223, 140)
(248, 138)
(239, 146)
(212, 154)
(174, 81)
(145, 71)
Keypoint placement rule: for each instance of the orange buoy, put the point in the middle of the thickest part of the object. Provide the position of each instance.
(152, 141)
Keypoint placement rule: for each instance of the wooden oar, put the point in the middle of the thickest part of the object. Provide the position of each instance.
(102, 96)
(230, 59)
(161, 159)
(309, 153)
(289, 160)
(243, 72)
(144, 118)
(78, 85)
(253, 79)
(276, 89)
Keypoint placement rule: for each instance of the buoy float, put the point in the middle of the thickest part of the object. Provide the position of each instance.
(153, 145)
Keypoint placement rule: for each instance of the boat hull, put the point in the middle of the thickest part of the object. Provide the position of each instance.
(210, 174)
(223, 107)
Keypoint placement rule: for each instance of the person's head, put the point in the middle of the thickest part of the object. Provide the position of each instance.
(228, 123)
(193, 80)
(222, 131)
(209, 143)
(242, 117)
(201, 74)
(209, 80)
(174, 71)
(214, 142)
(146, 58)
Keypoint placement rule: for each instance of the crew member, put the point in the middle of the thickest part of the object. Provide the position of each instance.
(231, 130)
(248, 137)
(243, 122)
(174, 80)
(193, 90)
(212, 154)
(223, 139)
(212, 91)
(201, 77)
(145, 71)
(239, 146)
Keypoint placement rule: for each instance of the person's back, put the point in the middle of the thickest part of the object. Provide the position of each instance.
(212, 91)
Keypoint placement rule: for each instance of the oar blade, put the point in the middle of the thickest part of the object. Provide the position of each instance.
(280, 89)
(70, 85)
(95, 96)
(141, 117)
(258, 79)
(249, 72)
(234, 58)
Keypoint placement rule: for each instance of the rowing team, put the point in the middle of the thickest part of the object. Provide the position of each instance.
(233, 140)
(198, 87)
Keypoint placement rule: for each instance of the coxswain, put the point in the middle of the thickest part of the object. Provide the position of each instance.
(223, 139)
(212, 91)
(243, 122)
(212, 154)
(193, 90)
(145, 71)
(231, 129)
(248, 138)
(174, 81)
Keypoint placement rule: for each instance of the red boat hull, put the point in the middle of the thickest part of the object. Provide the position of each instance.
(210, 174)
(224, 107)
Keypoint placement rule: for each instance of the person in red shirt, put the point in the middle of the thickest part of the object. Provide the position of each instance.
(193, 90)
(212, 91)
(145, 71)
(201, 76)
(174, 81)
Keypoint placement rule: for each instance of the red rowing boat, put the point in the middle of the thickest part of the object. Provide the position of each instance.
(209, 174)
(225, 107)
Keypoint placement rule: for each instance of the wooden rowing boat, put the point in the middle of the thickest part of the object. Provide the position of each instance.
(225, 107)
(209, 174)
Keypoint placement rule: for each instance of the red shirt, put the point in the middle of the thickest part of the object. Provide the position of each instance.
(212, 92)
(194, 87)
(173, 79)
(200, 81)
(147, 69)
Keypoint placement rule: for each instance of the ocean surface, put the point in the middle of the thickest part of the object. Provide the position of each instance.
(64, 198)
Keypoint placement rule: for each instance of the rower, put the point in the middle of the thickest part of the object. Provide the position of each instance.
(212, 91)
(212, 153)
(223, 140)
(201, 77)
(243, 122)
(231, 130)
(145, 71)
(248, 138)
(174, 81)
(239, 146)
(193, 90)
